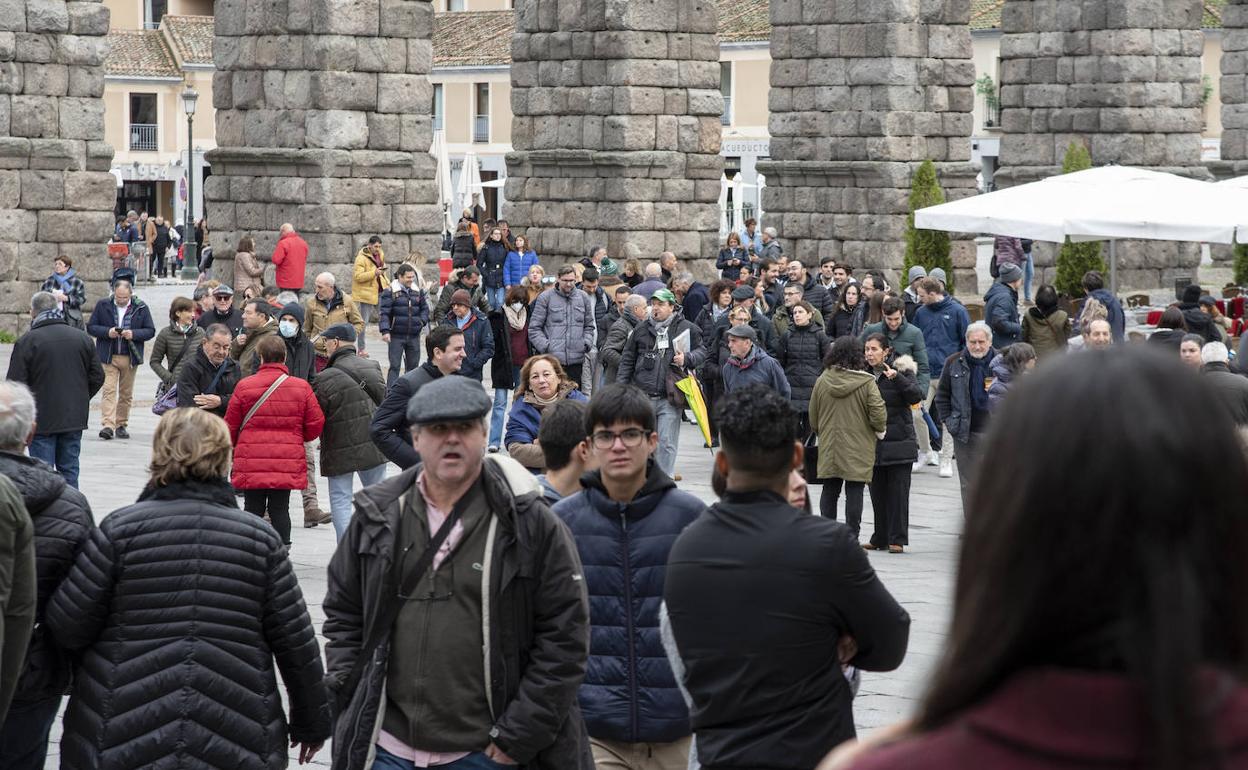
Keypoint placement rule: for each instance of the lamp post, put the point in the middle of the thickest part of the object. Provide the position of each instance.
(190, 264)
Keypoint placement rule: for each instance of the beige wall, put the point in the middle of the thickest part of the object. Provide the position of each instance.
(115, 117)
(458, 117)
(500, 111)
(190, 7)
(750, 83)
(1211, 66)
(126, 14)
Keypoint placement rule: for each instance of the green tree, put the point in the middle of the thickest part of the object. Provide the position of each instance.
(1241, 264)
(1075, 259)
(929, 248)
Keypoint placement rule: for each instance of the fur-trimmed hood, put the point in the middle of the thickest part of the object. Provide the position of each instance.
(905, 364)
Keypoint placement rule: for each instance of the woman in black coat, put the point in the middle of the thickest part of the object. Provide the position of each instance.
(896, 452)
(490, 260)
(841, 324)
(801, 354)
(180, 609)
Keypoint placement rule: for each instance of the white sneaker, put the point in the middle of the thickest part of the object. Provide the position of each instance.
(933, 458)
(918, 466)
(946, 469)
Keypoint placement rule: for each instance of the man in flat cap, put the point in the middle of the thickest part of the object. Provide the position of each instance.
(349, 390)
(749, 364)
(456, 610)
(258, 323)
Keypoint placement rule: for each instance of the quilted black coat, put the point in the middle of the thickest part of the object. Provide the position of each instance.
(899, 447)
(178, 606)
(62, 519)
(801, 355)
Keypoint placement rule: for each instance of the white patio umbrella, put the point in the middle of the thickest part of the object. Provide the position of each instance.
(1107, 203)
(738, 201)
(469, 181)
(723, 207)
(762, 183)
(442, 168)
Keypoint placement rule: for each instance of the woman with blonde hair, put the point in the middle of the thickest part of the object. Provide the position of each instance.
(534, 284)
(631, 274)
(542, 382)
(180, 609)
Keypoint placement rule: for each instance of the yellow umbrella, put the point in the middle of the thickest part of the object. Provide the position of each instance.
(697, 404)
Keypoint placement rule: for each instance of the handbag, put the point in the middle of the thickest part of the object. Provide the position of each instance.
(389, 611)
(163, 387)
(260, 401)
(166, 400)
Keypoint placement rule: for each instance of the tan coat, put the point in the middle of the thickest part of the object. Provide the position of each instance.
(848, 414)
(248, 272)
(365, 283)
(317, 317)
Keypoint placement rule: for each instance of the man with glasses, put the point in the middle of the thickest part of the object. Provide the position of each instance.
(562, 324)
(207, 381)
(456, 611)
(223, 311)
(783, 319)
(634, 712)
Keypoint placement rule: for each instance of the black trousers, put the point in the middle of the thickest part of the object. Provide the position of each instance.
(276, 503)
(853, 501)
(890, 500)
(574, 372)
(24, 736)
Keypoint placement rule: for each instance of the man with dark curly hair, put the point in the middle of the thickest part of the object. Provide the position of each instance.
(762, 596)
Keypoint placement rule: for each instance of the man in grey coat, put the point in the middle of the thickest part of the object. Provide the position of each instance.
(349, 391)
(617, 337)
(562, 324)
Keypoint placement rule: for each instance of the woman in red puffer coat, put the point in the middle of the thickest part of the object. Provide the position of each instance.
(268, 450)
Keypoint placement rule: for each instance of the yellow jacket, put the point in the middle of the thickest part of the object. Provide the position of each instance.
(365, 284)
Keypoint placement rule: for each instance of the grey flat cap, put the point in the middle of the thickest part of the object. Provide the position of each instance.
(448, 399)
(744, 331)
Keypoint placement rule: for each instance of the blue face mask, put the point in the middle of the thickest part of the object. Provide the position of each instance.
(287, 329)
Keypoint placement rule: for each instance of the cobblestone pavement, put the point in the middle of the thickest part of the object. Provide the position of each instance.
(113, 473)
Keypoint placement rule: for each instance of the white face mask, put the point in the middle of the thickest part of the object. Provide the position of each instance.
(516, 306)
(288, 329)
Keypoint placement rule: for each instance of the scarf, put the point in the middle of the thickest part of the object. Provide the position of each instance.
(63, 280)
(516, 318)
(565, 387)
(717, 312)
(51, 314)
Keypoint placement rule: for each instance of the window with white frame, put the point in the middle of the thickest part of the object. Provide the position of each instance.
(143, 123)
(725, 88)
(481, 115)
(439, 107)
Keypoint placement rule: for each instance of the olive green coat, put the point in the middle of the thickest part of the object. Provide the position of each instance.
(847, 413)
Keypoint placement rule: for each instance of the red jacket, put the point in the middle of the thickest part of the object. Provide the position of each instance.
(291, 260)
(1056, 719)
(268, 453)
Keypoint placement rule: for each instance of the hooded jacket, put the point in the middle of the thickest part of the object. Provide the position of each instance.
(563, 325)
(848, 415)
(491, 258)
(801, 355)
(758, 367)
(758, 632)
(1001, 313)
(629, 694)
(366, 285)
(538, 621)
(300, 355)
(62, 368)
(899, 445)
(1198, 321)
(402, 312)
(348, 391)
(478, 343)
(517, 266)
(1047, 334)
(268, 452)
(179, 606)
(943, 325)
(62, 523)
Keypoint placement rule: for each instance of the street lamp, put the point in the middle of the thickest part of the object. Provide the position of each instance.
(190, 264)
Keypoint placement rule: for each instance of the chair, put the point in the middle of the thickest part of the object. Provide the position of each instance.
(1137, 300)
(1237, 307)
(975, 310)
(1154, 317)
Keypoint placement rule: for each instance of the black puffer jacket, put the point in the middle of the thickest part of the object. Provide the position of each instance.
(490, 261)
(349, 390)
(178, 606)
(801, 355)
(899, 444)
(63, 521)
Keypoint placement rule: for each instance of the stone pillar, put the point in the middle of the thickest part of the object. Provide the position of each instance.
(323, 120)
(617, 127)
(1234, 85)
(56, 195)
(1123, 78)
(861, 94)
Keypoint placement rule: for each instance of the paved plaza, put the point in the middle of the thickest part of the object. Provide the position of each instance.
(114, 472)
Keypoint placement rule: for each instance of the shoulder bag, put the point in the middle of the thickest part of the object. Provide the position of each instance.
(260, 402)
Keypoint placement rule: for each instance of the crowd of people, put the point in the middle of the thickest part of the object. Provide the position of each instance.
(600, 616)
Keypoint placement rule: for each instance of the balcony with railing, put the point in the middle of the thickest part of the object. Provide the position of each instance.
(481, 129)
(143, 137)
(726, 118)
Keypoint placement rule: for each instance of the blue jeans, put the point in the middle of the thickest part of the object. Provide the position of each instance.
(60, 450)
(478, 761)
(667, 421)
(499, 416)
(495, 297)
(400, 347)
(1029, 270)
(24, 737)
(340, 490)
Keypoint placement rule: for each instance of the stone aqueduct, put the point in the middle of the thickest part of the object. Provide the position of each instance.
(322, 119)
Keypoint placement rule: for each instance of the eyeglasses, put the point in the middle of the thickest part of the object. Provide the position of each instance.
(632, 438)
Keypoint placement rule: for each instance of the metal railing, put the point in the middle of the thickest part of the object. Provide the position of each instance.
(726, 118)
(992, 112)
(481, 129)
(143, 136)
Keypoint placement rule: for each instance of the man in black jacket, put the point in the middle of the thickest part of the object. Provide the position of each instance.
(208, 379)
(390, 430)
(812, 291)
(62, 522)
(755, 635)
(223, 311)
(503, 663)
(59, 363)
